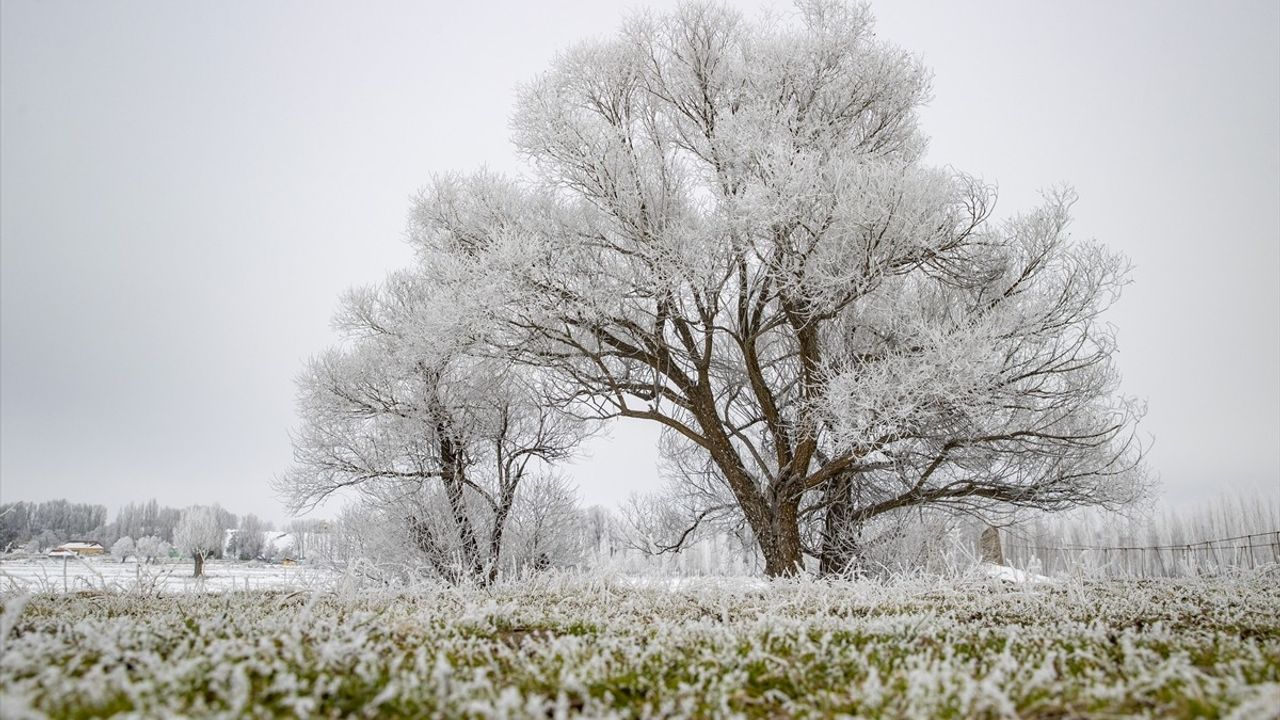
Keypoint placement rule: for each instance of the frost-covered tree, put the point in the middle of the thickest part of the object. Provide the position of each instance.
(199, 533)
(603, 533)
(15, 525)
(53, 521)
(412, 412)
(247, 541)
(138, 520)
(547, 525)
(731, 231)
(150, 548)
(123, 548)
(372, 541)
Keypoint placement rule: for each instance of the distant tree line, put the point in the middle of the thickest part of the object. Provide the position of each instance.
(39, 526)
(49, 523)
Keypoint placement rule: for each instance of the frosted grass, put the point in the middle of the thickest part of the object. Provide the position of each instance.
(561, 646)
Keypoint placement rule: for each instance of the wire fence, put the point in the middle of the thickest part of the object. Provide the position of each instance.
(1207, 557)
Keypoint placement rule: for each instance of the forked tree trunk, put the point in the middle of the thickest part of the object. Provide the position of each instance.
(776, 526)
(452, 461)
(500, 515)
(472, 563)
(774, 517)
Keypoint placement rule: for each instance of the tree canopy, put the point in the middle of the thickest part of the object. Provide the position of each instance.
(729, 228)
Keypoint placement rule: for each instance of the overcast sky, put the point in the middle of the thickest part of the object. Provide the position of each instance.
(186, 188)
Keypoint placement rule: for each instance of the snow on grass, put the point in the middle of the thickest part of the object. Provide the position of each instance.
(556, 646)
(1009, 574)
(44, 574)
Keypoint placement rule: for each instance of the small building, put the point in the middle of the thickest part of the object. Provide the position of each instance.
(82, 548)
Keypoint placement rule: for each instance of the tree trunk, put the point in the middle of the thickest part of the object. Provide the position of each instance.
(838, 551)
(199, 558)
(782, 555)
(775, 523)
(472, 564)
(452, 459)
(495, 536)
(774, 518)
(495, 554)
(780, 541)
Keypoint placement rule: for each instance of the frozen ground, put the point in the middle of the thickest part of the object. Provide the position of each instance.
(43, 574)
(561, 646)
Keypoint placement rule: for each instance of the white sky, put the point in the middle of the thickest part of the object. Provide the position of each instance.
(185, 189)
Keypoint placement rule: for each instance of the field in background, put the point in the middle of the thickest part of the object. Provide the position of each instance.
(1231, 533)
(557, 646)
(51, 575)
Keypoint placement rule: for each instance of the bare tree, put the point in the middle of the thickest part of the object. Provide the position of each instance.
(731, 232)
(199, 533)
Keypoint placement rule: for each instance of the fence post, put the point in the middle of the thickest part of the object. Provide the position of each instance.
(1213, 550)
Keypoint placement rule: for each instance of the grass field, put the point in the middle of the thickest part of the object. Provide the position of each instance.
(564, 646)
